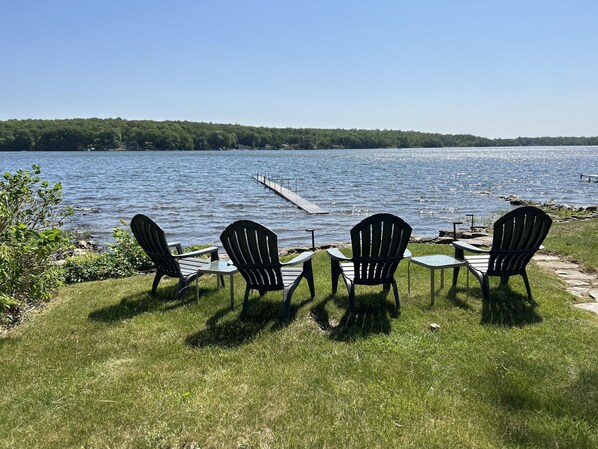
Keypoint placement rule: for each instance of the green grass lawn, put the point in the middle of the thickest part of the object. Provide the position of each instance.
(108, 365)
(577, 241)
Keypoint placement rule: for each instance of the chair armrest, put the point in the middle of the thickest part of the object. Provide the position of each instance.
(177, 246)
(467, 247)
(199, 252)
(301, 258)
(335, 254)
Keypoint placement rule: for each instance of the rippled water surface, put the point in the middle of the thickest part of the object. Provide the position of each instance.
(195, 195)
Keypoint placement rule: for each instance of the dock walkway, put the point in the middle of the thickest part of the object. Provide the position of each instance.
(289, 195)
(582, 176)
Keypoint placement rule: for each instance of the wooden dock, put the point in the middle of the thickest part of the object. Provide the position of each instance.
(590, 178)
(289, 195)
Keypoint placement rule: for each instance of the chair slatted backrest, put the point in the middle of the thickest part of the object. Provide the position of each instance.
(517, 237)
(378, 245)
(253, 249)
(153, 241)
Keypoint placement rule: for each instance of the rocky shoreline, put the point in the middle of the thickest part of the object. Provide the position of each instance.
(557, 211)
(560, 213)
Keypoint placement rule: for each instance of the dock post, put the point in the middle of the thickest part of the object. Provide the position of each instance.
(470, 215)
(313, 241)
(455, 223)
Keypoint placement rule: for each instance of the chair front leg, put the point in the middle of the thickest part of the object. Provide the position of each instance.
(287, 294)
(245, 301)
(181, 287)
(395, 290)
(458, 255)
(527, 286)
(308, 272)
(485, 281)
(352, 298)
(157, 278)
(335, 271)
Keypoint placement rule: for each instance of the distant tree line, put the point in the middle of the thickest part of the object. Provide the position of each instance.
(118, 134)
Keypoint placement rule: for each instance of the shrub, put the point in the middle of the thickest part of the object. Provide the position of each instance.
(128, 250)
(94, 267)
(124, 258)
(30, 236)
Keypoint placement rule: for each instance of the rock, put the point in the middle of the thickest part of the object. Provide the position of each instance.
(481, 241)
(593, 294)
(421, 239)
(434, 327)
(443, 240)
(446, 233)
(577, 283)
(589, 306)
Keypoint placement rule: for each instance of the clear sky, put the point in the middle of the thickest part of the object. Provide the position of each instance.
(492, 68)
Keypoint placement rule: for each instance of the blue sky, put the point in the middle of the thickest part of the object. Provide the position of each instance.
(489, 68)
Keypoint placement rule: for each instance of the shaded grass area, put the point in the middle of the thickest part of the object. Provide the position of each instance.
(577, 241)
(109, 365)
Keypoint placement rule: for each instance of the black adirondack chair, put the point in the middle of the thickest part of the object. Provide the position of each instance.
(253, 249)
(180, 265)
(379, 243)
(517, 237)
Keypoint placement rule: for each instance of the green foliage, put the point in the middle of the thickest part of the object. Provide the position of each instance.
(128, 251)
(124, 258)
(105, 134)
(93, 267)
(30, 218)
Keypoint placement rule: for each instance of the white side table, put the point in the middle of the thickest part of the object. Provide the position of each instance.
(433, 262)
(220, 268)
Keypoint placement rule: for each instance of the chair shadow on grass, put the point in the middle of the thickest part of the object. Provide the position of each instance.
(163, 300)
(459, 302)
(372, 315)
(262, 314)
(506, 307)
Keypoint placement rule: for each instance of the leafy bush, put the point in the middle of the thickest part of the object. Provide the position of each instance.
(128, 250)
(93, 267)
(124, 258)
(30, 236)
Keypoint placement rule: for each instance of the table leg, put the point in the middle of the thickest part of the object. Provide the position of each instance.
(432, 284)
(232, 292)
(218, 278)
(442, 278)
(409, 277)
(197, 288)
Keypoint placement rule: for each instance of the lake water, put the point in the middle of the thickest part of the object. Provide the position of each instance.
(195, 195)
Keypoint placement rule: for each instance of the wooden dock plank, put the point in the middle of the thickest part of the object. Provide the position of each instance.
(291, 196)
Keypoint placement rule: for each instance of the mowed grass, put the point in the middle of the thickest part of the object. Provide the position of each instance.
(108, 365)
(577, 241)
